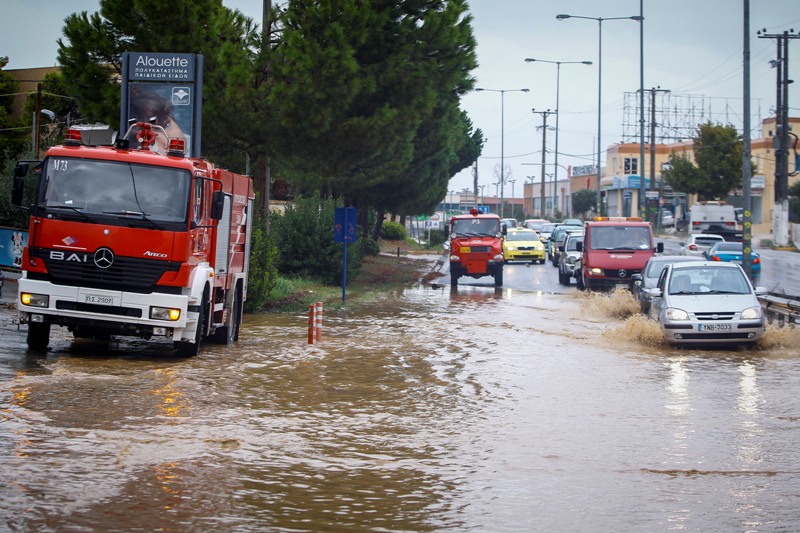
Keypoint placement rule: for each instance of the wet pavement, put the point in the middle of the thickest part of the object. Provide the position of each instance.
(472, 408)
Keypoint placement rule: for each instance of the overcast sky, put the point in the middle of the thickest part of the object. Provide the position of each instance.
(693, 48)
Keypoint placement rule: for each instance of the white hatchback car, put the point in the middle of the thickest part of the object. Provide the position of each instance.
(707, 302)
(698, 244)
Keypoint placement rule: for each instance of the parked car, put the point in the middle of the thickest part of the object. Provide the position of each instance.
(731, 252)
(557, 241)
(523, 245)
(667, 218)
(568, 257)
(707, 302)
(697, 245)
(649, 277)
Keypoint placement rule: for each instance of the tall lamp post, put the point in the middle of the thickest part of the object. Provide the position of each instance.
(512, 182)
(599, 85)
(558, 85)
(502, 135)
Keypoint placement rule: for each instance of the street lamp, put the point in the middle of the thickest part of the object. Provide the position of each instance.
(512, 182)
(599, 20)
(558, 109)
(502, 135)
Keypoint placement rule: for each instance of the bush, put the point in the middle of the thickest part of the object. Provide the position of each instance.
(307, 247)
(392, 231)
(437, 237)
(263, 273)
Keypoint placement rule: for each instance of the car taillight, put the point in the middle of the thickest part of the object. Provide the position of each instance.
(756, 260)
(716, 258)
(692, 247)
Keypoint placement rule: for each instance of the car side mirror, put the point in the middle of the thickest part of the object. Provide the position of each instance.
(761, 291)
(654, 292)
(578, 246)
(660, 248)
(18, 188)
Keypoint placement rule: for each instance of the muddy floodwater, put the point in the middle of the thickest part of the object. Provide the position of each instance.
(433, 409)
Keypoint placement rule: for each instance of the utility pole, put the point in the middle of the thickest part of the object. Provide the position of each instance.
(747, 178)
(653, 91)
(780, 219)
(544, 114)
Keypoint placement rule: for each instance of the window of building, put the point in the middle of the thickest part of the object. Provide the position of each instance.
(631, 165)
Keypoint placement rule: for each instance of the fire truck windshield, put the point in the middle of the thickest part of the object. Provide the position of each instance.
(476, 226)
(96, 187)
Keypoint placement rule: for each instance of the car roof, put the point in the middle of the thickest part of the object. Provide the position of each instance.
(709, 264)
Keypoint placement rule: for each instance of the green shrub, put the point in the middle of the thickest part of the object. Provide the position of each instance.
(307, 247)
(370, 247)
(263, 273)
(392, 231)
(437, 237)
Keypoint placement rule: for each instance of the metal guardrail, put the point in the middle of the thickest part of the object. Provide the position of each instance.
(783, 308)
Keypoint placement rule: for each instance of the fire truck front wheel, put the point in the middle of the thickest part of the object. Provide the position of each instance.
(454, 278)
(38, 335)
(498, 278)
(190, 349)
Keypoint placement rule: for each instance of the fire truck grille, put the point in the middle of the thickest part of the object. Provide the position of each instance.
(485, 249)
(125, 273)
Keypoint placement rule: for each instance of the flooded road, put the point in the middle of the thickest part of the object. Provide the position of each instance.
(465, 409)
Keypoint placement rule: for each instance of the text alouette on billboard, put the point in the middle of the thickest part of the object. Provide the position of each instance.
(169, 87)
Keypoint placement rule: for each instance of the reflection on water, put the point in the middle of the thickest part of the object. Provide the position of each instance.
(469, 408)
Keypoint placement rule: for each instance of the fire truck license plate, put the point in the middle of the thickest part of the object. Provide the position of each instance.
(98, 299)
(465, 249)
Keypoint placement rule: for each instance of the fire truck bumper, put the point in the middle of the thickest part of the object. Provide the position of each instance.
(99, 310)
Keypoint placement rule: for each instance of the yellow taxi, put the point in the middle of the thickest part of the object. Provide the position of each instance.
(523, 245)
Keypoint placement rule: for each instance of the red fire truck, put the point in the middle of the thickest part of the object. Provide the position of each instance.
(126, 241)
(476, 247)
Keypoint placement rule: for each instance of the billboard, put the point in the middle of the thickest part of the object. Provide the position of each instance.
(168, 88)
(12, 241)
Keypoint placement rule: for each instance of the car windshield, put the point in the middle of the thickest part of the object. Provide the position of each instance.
(522, 236)
(112, 188)
(705, 280)
(620, 238)
(473, 227)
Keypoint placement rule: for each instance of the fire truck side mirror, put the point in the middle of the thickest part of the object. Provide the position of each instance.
(579, 246)
(20, 171)
(217, 205)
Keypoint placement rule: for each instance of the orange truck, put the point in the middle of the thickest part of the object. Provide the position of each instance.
(126, 241)
(613, 250)
(476, 246)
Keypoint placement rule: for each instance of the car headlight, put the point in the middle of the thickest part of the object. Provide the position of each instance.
(510, 248)
(571, 260)
(676, 314)
(752, 313)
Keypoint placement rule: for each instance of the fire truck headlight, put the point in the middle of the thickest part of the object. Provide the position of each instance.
(165, 313)
(454, 257)
(34, 300)
(596, 271)
(499, 257)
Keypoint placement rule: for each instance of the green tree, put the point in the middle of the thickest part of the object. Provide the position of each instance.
(91, 51)
(366, 97)
(53, 99)
(13, 133)
(717, 167)
(583, 200)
